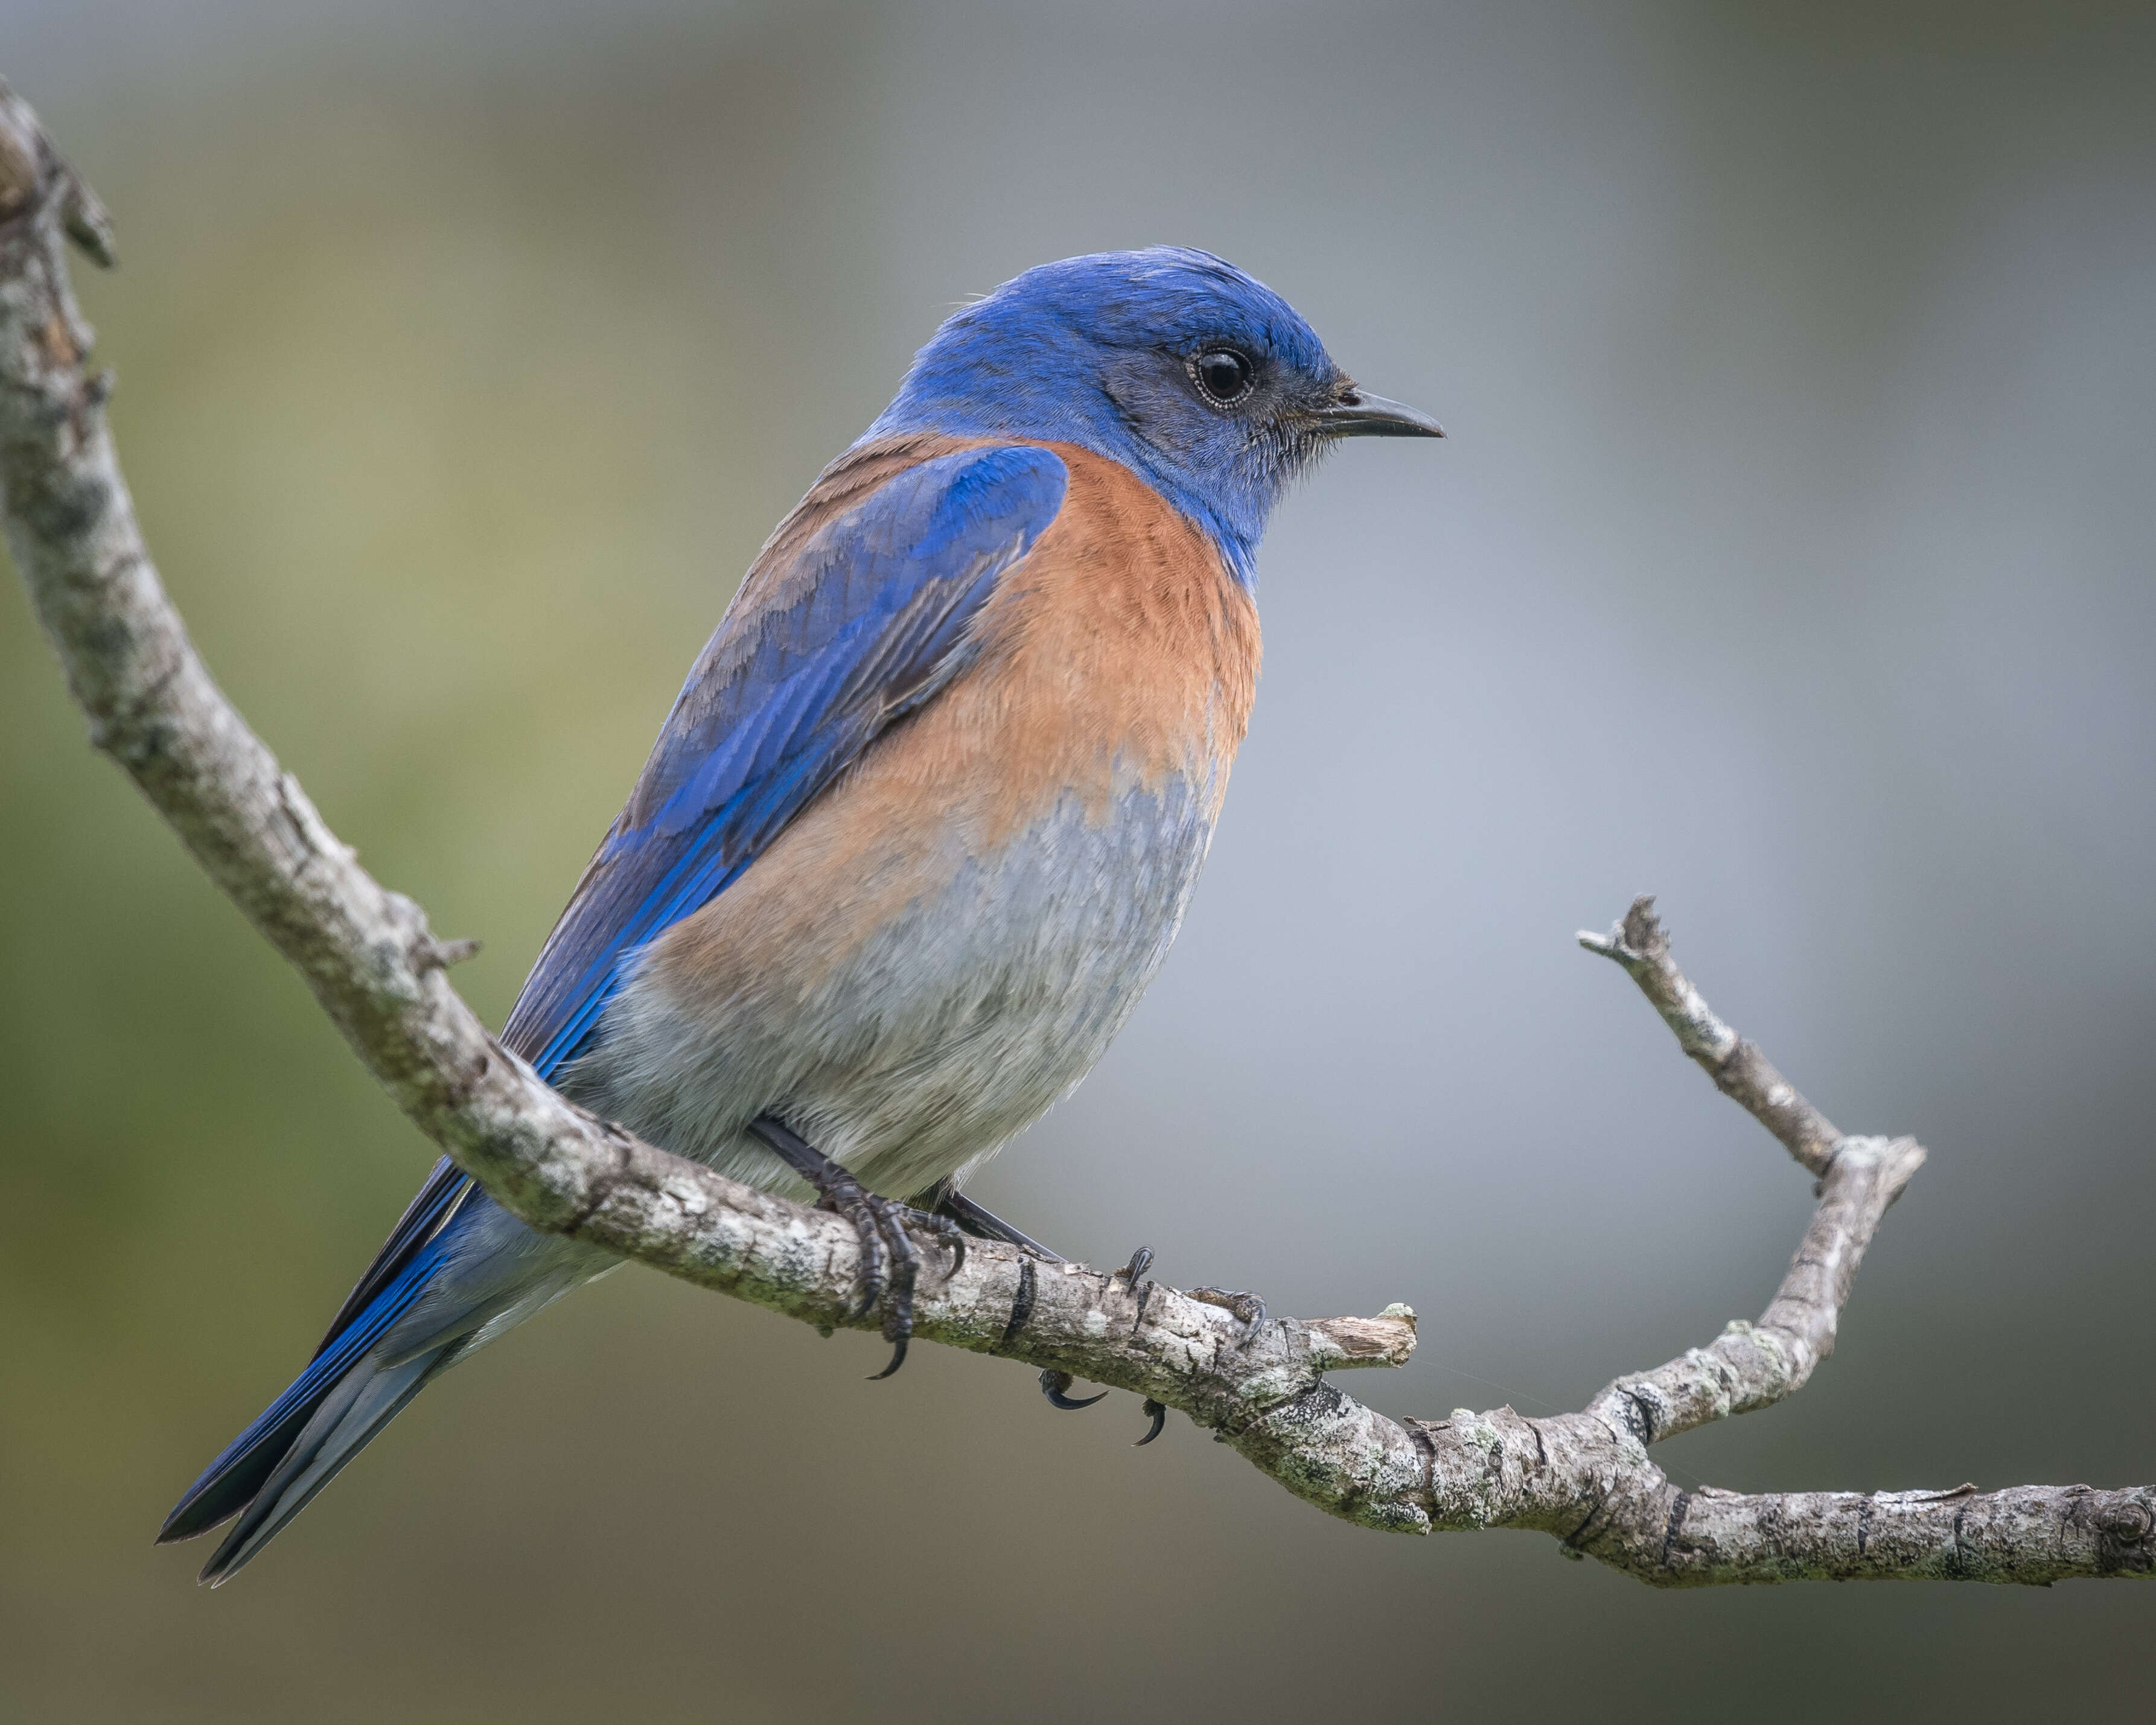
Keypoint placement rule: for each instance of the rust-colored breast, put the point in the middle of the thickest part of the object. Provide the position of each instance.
(1118, 654)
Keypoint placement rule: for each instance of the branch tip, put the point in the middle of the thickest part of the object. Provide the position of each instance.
(440, 954)
(32, 172)
(89, 223)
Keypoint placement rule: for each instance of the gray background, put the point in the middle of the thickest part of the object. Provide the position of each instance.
(1790, 558)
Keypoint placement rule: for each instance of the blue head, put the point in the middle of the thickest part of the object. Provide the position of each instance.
(1169, 361)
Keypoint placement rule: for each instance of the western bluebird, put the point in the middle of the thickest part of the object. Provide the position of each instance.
(919, 827)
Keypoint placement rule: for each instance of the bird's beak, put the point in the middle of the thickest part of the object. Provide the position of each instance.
(1358, 413)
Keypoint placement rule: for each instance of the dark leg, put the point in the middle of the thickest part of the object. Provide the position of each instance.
(887, 1250)
(944, 1201)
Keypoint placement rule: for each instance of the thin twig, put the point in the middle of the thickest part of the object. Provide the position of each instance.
(1739, 1070)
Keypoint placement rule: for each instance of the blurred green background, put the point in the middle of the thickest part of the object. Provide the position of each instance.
(1790, 557)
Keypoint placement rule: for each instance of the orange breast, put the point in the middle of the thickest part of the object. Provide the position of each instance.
(1119, 654)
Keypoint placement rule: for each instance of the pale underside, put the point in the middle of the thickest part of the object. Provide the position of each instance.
(954, 1026)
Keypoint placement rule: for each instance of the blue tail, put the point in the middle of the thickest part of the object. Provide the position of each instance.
(450, 1248)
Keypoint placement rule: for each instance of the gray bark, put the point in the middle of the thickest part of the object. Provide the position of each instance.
(1259, 1383)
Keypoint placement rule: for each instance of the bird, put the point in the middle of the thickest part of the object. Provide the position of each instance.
(918, 829)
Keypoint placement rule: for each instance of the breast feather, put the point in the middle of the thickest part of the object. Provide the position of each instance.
(1118, 653)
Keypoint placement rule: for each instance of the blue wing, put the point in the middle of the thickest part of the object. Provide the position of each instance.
(811, 664)
(826, 646)
(783, 699)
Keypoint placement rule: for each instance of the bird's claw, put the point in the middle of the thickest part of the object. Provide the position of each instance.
(847, 1198)
(1248, 1308)
(945, 1233)
(1130, 1275)
(1056, 1385)
(890, 1263)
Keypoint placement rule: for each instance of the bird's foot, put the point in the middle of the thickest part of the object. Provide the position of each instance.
(1056, 1385)
(1131, 1273)
(945, 1232)
(1249, 1308)
(956, 1209)
(890, 1263)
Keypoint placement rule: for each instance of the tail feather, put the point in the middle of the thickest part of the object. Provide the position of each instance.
(235, 1479)
(477, 1273)
(239, 1472)
(367, 1400)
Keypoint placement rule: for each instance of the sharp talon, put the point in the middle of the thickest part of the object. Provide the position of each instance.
(944, 1232)
(897, 1359)
(1141, 1261)
(1054, 1385)
(889, 1262)
(905, 1269)
(1157, 1414)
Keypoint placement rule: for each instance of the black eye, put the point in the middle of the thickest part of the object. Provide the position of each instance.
(1223, 375)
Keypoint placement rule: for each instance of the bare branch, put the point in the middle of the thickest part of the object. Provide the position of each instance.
(1593, 1487)
(1753, 1365)
(1739, 1070)
(1750, 1366)
(379, 973)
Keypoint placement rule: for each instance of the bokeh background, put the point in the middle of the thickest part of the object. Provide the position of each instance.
(1791, 558)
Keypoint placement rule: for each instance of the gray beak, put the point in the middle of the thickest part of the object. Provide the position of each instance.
(1359, 413)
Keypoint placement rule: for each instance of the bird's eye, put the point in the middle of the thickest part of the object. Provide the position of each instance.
(1222, 375)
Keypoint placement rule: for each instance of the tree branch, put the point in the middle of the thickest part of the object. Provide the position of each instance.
(379, 971)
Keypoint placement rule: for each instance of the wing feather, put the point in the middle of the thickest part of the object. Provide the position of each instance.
(866, 620)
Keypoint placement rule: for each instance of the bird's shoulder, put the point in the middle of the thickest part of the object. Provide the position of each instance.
(1123, 616)
(785, 566)
(1110, 682)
